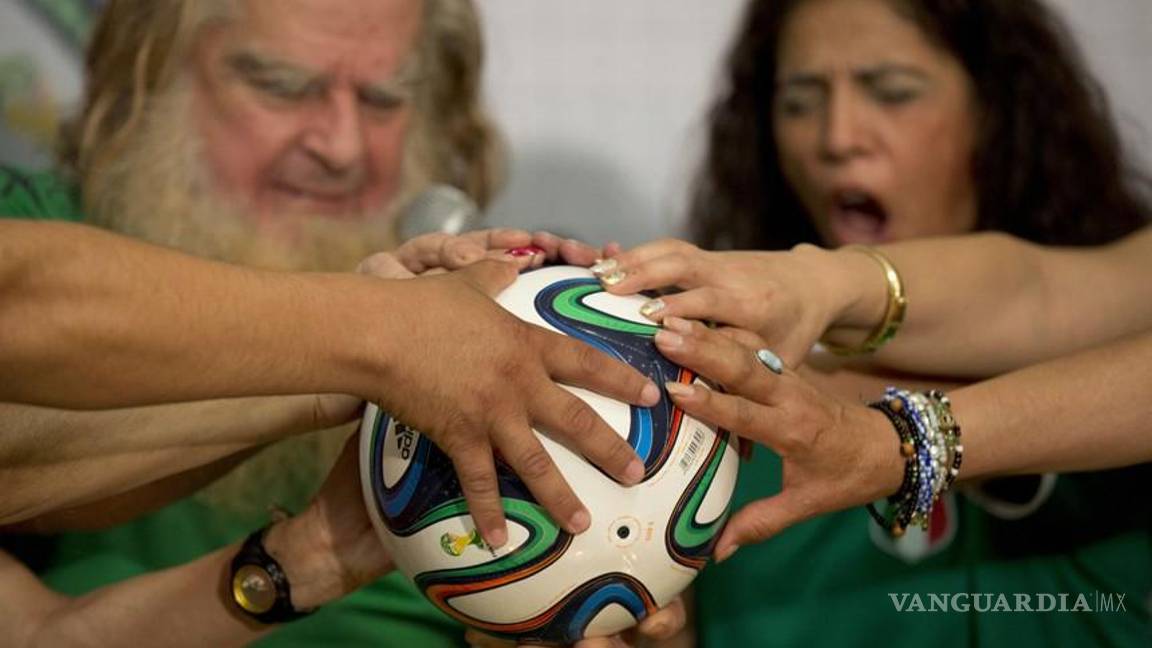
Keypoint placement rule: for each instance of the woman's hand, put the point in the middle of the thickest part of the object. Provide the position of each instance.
(788, 298)
(835, 454)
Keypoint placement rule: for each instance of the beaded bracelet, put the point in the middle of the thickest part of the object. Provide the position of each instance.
(929, 443)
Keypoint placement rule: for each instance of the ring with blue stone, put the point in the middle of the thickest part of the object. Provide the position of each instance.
(770, 360)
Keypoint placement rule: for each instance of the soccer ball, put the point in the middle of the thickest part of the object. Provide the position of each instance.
(646, 542)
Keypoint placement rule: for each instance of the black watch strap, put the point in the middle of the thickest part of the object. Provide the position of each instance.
(260, 587)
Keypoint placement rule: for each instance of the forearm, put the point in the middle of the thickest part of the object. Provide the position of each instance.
(987, 303)
(52, 459)
(1088, 411)
(189, 605)
(91, 319)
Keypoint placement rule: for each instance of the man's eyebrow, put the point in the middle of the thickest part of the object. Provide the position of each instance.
(249, 63)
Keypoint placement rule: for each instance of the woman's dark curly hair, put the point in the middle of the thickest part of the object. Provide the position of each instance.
(1048, 164)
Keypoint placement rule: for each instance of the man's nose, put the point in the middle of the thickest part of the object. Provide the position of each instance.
(843, 136)
(335, 135)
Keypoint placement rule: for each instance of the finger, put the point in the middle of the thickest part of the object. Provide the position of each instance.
(384, 265)
(578, 364)
(743, 337)
(476, 471)
(438, 250)
(758, 521)
(603, 642)
(578, 253)
(673, 269)
(739, 415)
(612, 249)
(489, 276)
(717, 357)
(664, 623)
(549, 243)
(581, 428)
(526, 456)
(499, 238)
(480, 640)
(651, 250)
(704, 303)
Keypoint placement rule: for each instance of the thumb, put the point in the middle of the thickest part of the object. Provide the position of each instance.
(758, 521)
(489, 276)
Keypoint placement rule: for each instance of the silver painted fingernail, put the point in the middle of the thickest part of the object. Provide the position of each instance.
(604, 266)
(651, 307)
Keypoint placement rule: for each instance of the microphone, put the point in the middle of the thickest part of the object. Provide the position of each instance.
(439, 208)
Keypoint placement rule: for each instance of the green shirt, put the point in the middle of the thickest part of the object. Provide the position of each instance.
(388, 612)
(829, 582)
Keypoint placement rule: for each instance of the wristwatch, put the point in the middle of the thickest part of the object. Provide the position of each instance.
(260, 587)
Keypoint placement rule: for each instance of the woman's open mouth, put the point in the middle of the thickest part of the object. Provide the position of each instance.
(856, 216)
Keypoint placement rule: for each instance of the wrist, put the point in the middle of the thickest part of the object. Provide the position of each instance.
(308, 560)
(870, 306)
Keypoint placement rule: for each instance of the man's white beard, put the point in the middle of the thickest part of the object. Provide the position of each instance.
(159, 190)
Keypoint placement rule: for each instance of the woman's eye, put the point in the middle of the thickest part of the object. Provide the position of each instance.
(895, 96)
(796, 104)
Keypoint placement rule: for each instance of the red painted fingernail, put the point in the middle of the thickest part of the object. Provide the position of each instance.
(525, 250)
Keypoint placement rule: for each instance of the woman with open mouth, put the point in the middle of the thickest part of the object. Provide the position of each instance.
(871, 121)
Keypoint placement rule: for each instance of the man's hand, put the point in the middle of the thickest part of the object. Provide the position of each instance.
(477, 379)
(661, 625)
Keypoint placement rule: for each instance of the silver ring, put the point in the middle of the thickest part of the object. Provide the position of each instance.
(771, 361)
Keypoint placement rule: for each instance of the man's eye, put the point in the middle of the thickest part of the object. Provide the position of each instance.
(281, 89)
(382, 101)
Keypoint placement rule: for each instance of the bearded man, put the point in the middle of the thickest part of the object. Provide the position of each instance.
(280, 134)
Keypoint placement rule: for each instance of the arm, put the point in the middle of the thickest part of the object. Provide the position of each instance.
(52, 459)
(1084, 412)
(327, 551)
(92, 320)
(978, 305)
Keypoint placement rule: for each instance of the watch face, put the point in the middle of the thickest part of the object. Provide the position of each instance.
(253, 589)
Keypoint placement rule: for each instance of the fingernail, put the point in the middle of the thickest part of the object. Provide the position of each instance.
(678, 324)
(578, 522)
(634, 472)
(496, 538)
(650, 395)
(658, 629)
(651, 307)
(726, 553)
(613, 278)
(604, 265)
(679, 389)
(770, 360)
(668, 339)
(525, 250)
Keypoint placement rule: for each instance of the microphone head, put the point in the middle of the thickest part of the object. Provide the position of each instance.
(439, 208)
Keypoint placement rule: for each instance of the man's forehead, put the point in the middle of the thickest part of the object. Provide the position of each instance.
(367, 39)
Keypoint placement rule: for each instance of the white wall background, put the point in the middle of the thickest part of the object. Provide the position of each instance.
(603, 101)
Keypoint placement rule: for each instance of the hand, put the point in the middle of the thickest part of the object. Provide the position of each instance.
(475, 378)
(835, 454)
(331, 549)
(788, 298)
(438, 251)
(661, 625)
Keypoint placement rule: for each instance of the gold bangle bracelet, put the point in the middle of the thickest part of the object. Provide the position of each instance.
(893, 314)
